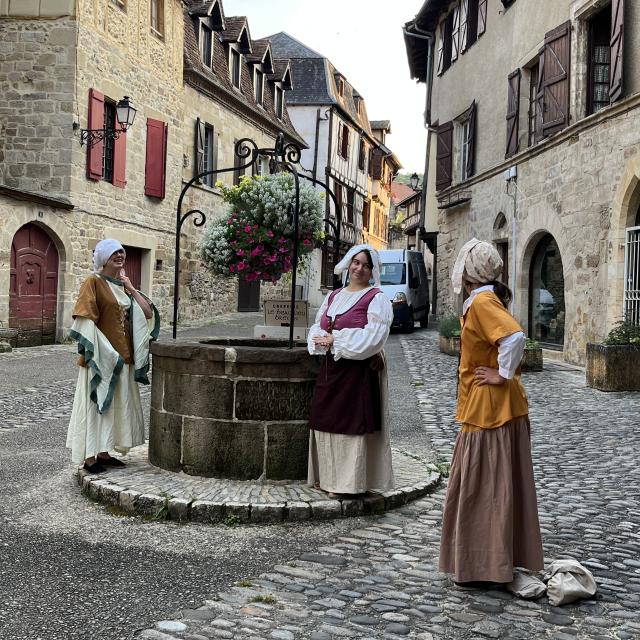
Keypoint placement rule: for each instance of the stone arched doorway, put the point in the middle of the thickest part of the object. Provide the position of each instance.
(546, 294)
(632, 271)
(33, 286)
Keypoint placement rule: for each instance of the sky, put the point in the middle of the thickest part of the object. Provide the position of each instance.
(364, 41)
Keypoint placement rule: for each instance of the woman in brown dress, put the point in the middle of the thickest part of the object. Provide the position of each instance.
(490, 522)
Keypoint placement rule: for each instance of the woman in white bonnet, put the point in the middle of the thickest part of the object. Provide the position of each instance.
(349, 450)
(490, 521)
(113, 329)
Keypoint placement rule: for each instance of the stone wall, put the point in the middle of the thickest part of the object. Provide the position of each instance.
(583, 187)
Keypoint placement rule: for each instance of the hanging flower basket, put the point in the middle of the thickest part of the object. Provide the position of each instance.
(255, 240)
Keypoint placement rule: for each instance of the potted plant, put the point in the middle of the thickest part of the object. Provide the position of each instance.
(449, 338)
(532, 358)
(255, 240)
(614, 364)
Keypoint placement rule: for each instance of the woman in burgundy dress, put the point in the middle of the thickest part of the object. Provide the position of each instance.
(349, 450)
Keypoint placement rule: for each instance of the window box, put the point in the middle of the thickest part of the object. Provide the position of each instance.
(613, 367)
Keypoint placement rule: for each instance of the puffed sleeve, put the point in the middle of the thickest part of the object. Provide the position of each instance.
(86, 305)
(315, 330)
(360, 344)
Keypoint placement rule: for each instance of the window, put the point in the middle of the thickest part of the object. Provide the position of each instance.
(258, 86)
(365, 215)
(205, 45)
(337, 190)
(599, 61)
(362, 152)
(340, 86)
(464, 148)
(121, 4)
(343, 140)
(208, 155)
(157, 18)
(503, 251)
(351, 197)
(278, 96)
(108, 147)
(533, 115)
(234, 67)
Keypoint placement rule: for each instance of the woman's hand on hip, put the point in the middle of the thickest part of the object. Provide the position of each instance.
(487, 375)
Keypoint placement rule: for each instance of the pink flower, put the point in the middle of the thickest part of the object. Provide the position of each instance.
(283, 250)
(232, 268)
(247, 229)
(241, 265)
(240, 252)
(306, 242)
(270, 233)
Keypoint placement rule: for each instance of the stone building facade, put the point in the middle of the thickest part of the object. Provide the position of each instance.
(533, 110)
(64, 64)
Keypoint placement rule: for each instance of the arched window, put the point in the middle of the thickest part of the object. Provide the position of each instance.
(546, 294)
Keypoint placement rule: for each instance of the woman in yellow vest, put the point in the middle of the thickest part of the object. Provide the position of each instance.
(490, 522)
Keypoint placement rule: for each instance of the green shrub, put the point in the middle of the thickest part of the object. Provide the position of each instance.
(624, 332)
(531, 344)
(449, 327)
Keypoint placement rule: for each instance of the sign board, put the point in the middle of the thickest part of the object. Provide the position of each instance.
(277, 313)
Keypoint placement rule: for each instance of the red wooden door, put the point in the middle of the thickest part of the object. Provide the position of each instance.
(133, 265)
(33, 288)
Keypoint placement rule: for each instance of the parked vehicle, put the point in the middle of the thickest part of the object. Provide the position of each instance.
(404, 279)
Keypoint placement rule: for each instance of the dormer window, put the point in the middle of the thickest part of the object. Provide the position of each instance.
(234, 67)
(205, 44)
(278, 100)
(341, 86)
(157, 18)
(258, 86)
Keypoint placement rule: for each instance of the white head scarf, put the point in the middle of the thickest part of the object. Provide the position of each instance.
(477, 261)
(343, 265)
(103, 251)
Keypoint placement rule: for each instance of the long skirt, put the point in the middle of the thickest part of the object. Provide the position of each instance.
(350, 464)
(119, 428)
(490, 522)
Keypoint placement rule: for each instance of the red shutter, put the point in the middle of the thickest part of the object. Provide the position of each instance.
(95, 121)
(444, 155)
(482, 17)
(513, 113)
(120, 160)
(455, 32)
(557, 50)
(156, 161)
(441, 39)
(464, 25)
(617, 46)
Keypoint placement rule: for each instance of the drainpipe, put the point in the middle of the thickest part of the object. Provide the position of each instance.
(315, 147)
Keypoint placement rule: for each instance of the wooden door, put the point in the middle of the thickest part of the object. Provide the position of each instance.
(33, 288)
(248, 295)
(133, 265)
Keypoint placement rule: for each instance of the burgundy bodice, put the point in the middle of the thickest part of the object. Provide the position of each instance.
(354, 318)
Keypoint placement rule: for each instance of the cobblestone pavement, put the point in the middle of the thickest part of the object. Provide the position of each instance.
(381, 580)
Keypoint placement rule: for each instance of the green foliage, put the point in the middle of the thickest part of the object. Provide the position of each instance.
(232, 520)
(244, 583)
(624, 332)
(268, 599)
(449, 327)
(531, 344)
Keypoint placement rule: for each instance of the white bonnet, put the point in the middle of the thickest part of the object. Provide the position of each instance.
(103, 251)
(477, 261)
(343, 265)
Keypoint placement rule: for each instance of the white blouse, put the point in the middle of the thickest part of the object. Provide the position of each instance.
(354, 343)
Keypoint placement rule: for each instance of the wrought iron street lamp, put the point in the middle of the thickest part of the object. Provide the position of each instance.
(125, 115)
(413, 181)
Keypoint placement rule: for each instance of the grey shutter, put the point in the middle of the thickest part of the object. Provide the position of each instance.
(557, 53)
(444, 155)
(617, 47)
(214, 153)
(455, 33)
(471, 157)
(464, 25)
(441, 39)
(482, 17)
(198, 167)
(513, 113)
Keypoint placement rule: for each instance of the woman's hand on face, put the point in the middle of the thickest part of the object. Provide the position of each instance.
(323, 341)
(487, 375)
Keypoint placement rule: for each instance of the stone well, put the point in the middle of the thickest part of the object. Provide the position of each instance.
(231, 408)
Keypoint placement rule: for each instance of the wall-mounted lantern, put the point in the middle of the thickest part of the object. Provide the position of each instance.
(125, 115)
(413, 181)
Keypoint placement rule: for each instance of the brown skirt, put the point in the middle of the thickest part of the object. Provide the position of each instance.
(490, 522)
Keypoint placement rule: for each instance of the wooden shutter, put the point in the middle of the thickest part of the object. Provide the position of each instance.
(239, 170)
(444, 155)
(198, 166)
(538, 133)
(156, 159)
(377, 165)
(455, 33)
(471, 157)
(513, 113)
(95, 121)
(441, 40)
(120, 160)
(617, 47)
(464, 25)
(557, 50)
(482, 17)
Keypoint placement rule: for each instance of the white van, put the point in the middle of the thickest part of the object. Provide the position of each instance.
(404, 280)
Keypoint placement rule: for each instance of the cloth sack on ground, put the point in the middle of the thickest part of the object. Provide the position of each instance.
(568, 581)
(526, 586)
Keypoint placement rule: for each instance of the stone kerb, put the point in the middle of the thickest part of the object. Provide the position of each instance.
(231, 408)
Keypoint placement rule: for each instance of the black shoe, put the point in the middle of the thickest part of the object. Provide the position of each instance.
(96, 467)
(110, 461)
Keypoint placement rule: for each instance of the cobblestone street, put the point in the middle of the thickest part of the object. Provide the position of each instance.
(367, 577)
